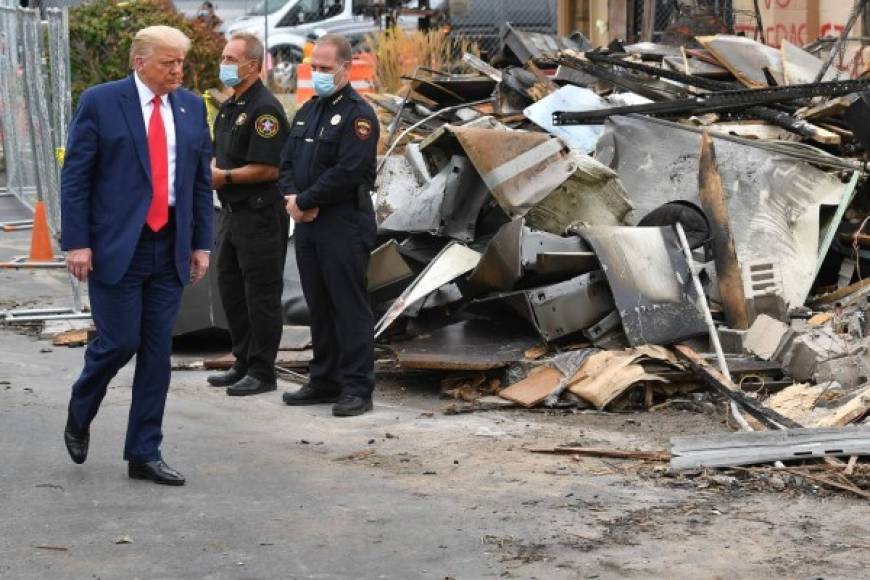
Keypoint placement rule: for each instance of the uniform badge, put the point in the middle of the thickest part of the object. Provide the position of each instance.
(240, 120)
(267, 126)
(363, 128)
(336, 119)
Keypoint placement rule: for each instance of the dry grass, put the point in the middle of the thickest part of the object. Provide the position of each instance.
(398, 53)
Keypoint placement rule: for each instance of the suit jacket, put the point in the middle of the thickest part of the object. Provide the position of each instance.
(106, 178)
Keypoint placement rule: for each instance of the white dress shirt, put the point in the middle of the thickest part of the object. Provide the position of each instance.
(146, 101)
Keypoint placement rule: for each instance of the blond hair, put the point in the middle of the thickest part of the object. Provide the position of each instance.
(153, 36)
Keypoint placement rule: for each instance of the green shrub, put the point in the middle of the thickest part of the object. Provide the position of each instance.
(101, 32)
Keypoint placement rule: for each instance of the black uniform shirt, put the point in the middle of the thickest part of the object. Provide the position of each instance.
(250, 129)
(331, 151)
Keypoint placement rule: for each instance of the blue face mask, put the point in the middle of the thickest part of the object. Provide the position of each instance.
(229, 74)
(324, 83)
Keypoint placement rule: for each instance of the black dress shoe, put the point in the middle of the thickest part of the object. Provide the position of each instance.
(230, 377)
(309, 395)
(351, 405)
(76, 439)
(156, 471)
(251, 386)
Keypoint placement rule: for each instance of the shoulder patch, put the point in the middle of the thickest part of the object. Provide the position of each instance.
(363, 128)
(267, 126)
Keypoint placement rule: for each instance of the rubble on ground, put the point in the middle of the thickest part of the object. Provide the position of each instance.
(531, 209)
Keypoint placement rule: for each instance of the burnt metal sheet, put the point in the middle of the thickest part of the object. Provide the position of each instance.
(465, 193)
(593, 196)
(528, 45)
(453, 90)
(524, 168)
(745, 58)
(451, 263)
(439, 146)
(650, 281)
(403, 203)
(469, 345)
(563, 264)
(775, 198)
(581, 138)
(515, 252)
(560, 309)
(387, 266)
(448, 205)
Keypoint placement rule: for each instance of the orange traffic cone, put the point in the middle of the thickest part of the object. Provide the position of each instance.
(40, 243)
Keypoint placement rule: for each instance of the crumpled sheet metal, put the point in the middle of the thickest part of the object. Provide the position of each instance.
(592, 196)
(464, 196)
(447, 205)
(527, 45)
(650, 281)
(451, 263)
(773, 199)
(387, 266)
(520, 168)
(405, 204)
(517, 251)
(582, 138)
(560, 309)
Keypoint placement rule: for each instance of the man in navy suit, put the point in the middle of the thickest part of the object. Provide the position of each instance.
(136, 219)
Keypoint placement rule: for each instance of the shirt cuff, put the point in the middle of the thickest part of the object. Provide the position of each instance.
(206, 251)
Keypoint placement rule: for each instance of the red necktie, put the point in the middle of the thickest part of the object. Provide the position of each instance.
(158, 213)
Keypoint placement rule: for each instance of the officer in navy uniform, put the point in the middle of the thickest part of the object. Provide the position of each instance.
(327, 173)
(249, 134)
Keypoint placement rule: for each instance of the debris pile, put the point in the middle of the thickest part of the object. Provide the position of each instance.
(572, 227)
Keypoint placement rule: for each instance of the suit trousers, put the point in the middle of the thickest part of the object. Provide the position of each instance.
(252, 246)
(333, 256)
(134, 317)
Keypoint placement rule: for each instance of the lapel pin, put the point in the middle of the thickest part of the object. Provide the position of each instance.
(182, 109)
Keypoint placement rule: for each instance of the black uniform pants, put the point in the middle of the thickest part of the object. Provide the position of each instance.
(250, 267)
(333, 255)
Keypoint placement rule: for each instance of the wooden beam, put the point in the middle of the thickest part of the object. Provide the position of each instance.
(725, 387)
(566, 11)
(649, 20)
(840, 294)
(615, 453)
(712, 195)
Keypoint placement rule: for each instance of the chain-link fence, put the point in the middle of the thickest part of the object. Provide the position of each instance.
(34, 103)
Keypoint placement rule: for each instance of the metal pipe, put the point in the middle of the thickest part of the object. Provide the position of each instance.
(711, 326)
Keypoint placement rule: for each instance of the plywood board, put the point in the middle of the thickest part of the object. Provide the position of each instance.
(745, 58)
(535, 388)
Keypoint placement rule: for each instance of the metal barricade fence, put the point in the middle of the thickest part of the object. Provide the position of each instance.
(34, 104)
